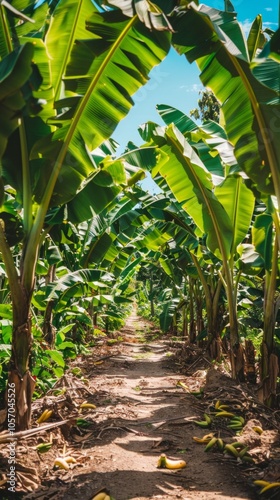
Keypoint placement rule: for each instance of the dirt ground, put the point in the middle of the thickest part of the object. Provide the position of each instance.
(141, 412)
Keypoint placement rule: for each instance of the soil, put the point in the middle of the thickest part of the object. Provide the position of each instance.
(148, 390)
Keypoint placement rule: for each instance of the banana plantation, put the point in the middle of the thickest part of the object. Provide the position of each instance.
(82, 243)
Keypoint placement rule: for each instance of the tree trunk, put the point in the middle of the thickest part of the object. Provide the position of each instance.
(152, 304)
(250, 362)
(20, 381)
(48, 328)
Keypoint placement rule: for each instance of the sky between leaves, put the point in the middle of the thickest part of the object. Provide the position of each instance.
(176, 82)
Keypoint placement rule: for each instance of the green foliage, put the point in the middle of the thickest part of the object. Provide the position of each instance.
(208, 107)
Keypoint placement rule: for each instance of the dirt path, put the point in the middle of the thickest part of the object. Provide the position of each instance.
(140, 413)
(143, 404)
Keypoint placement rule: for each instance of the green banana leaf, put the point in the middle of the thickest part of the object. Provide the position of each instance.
(239, 202)
(17, 76)
(262, 237)
(215, 40)
(192, 186)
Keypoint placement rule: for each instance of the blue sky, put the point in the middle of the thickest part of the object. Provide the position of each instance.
(176, 82)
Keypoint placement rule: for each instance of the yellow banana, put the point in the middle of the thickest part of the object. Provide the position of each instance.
(70, 460)
(164, 462)
(210, 445)
(184, 386)
(261, 482)
(233, 451)
(102, 495)
(223, 407)
(87, 405)
(204, 439)
(61, 463)
(258, 429)
(269, 487)
(217, 405)
(45, 416)
(224, 414)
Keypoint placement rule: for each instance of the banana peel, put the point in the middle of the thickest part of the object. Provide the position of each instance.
(204, 439)
(167, 463)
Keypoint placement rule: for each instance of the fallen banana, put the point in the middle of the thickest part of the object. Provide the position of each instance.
(238, 419)
(204, 439)
(233, 451)
(269, 487)
(70, 460)
(220, 444)
(238, 444)
(211, 443)
(261, 482)
(45, 416)
(167, 463)
(61, 463)
(102, 495)
(224, 414)
(202, 423)
(184, 386)
(258, 429)
(43, 447)
(207, 418)
(243, 452)
(248, 458)
(217, 405)
(87, 405)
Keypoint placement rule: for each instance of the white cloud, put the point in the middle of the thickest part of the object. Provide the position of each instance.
(196, 87)
(246, 25)
(269, 9)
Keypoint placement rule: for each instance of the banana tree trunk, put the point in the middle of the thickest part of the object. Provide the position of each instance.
(20, 381)
(269, 361)
(192, 327)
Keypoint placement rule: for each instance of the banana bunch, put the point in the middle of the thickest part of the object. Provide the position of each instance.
(167, 463)
(204, 423)
(266, 485)
(45, 416)
(236, 423)
(239, 451)
(210, 440)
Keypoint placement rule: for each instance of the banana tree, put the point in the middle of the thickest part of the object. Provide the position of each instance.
(90, 66)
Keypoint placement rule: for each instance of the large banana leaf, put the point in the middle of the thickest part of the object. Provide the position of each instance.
(102, 73)
(17, 76)
(215, 40)
(192, 186)
(238, 201)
